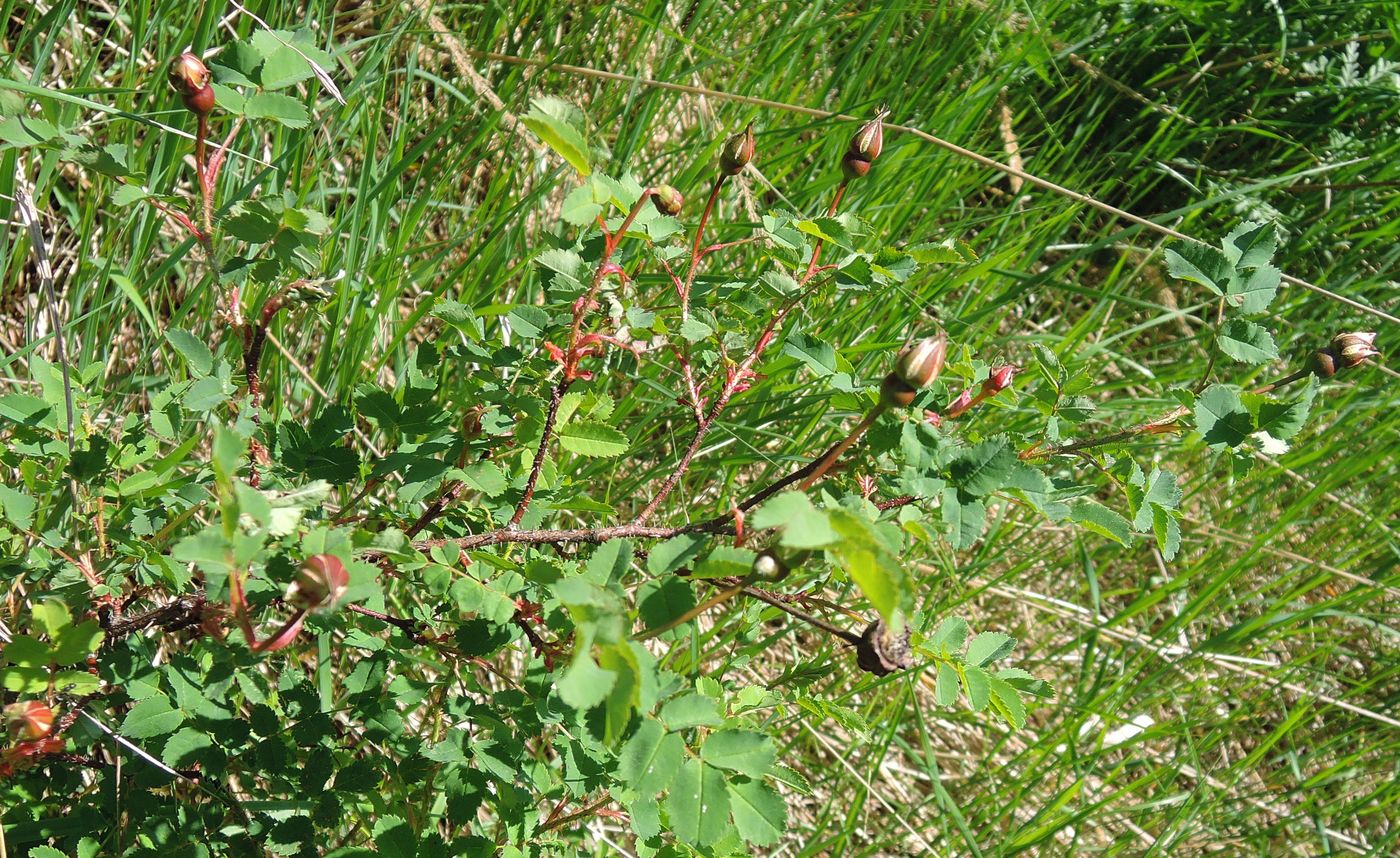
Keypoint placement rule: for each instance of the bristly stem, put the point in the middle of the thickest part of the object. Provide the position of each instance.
(696, 252)
(206, 185)
(1160, 425)
(738, 375)
(830, 212)
(825, 462)
(573, 354)
(555, 397)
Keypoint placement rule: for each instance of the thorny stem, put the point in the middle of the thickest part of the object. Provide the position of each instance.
(556, 397)
(278, 639)
(848, 637)
(826, 461)
(573, 354)
(830, 212)
(1160, 425)
(696, 253)
(471, 428)
(718, 599)
(408, 627)
(738, 376)
(206, 179)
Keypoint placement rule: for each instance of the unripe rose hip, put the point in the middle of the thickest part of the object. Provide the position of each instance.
(1354, 349)
(320, 582)
(28, 720)
(918, 365)
(667, 200)
(770, 567)
(999, 379)
(190, 77)
(737, 152)
(894, 391)
(865, 146)
(1322, 363)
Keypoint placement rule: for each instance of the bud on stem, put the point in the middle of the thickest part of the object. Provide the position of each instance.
(1346, 350)
(667, 200)
(319, 584)
(737, 152)
(28, 720)
(918, 365)
(865, 146)
(190, 77)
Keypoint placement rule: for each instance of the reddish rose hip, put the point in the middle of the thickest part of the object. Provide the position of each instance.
(28, 720)
(918, 365)
(999, 379)
(737, 152)
(667, 200)
(190, 77)
(865, 146)
(320, 583)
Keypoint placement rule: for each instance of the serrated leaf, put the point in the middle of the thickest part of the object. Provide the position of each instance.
(581, 206)
(976, 684)
(196, 354)
(651, 758)
(393, 838)
(278, 107)
(965, 518)
(949, 636)
(1221, 416)
(695, 330)
(1101, 520)
(73, 644)
(1167, 531)
(987, 647)
(946, 690)
(946, 251)
(584, 684)
(803, 525)
(725, 561)
(153, 716)
(1007, 702)
(125, 195)
(1282, 418)
(485, 477)
(1200, 264)
(698, 804)
(760, 815)
(984, 468)
(690, 710)
(554, 121)
(674, 553)
(1254, 292)
(1247, 342)
(880, 576)
(1251, 245)
(252, 222)
(742, 751)
(593, 439)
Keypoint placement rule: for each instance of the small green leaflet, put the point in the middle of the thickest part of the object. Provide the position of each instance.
(1247, 342)
(557, 123)
(651, 758)
(1221, 417)
(698, 804)
(803, 525)
(593, 439)
(741, 751)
